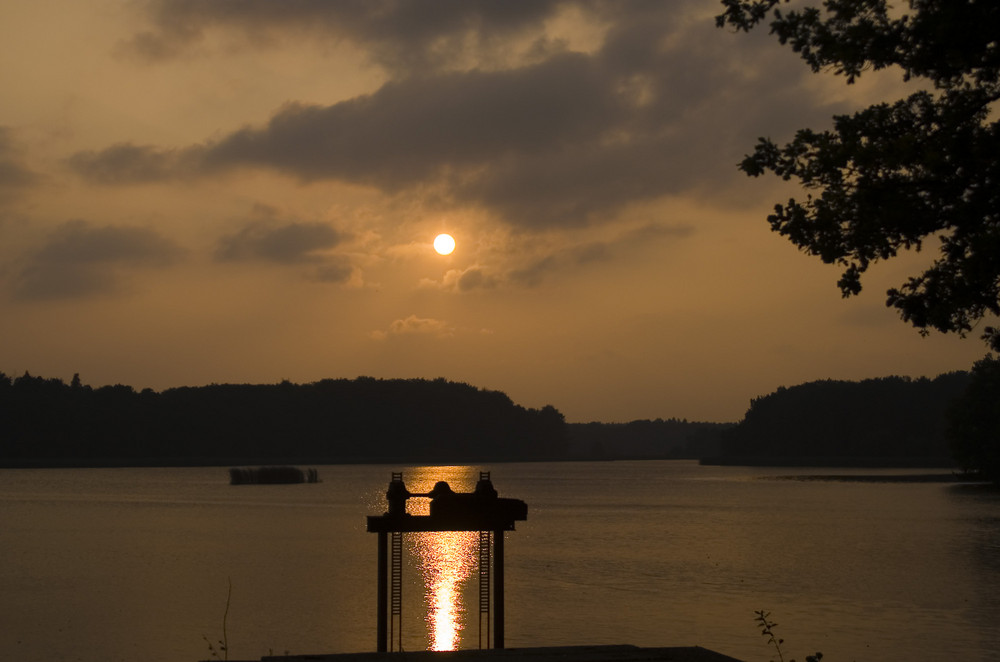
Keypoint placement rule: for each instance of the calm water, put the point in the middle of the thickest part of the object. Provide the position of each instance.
(134, 564)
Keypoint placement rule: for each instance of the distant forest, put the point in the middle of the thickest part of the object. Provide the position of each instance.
(645, 440)
(46, 422)
(892, 421)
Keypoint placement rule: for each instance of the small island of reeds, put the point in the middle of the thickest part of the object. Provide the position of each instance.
(271, 475)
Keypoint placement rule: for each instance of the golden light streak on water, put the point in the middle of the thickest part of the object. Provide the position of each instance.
(447, 559)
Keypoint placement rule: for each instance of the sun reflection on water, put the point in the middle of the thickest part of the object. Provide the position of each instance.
(447, 559)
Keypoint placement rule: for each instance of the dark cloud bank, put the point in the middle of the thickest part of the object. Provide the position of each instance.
(80, 259)
(561, 140)
(287, 243)
(292, 243)
(401, 35)
(15, 175)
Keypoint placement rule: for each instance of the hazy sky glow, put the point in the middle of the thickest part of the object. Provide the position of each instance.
(197, 191)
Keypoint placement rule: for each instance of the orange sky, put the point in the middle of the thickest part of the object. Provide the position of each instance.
(197, 191)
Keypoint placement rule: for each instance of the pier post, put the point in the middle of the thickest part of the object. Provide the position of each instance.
(482, 510)
(383, 593)
(498, 588)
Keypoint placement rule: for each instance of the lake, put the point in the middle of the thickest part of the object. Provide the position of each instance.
(136, 564)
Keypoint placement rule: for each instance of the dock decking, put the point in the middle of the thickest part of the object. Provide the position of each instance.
(617, 653)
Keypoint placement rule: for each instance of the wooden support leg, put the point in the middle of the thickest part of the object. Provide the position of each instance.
(383, 593)
(498, 589)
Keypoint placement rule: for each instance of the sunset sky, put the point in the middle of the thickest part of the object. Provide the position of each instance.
(198, 191)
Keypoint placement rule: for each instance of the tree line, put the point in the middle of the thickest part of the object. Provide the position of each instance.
(46, 422)
(890, 420)
(953, 419)
(645, 439)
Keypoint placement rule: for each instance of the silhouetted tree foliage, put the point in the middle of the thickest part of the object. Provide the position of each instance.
(974, 422)
(335, 420)
(892, 420)
(645, 439)
(894, 174)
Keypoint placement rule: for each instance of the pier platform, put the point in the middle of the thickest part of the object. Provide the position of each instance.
(615, 653)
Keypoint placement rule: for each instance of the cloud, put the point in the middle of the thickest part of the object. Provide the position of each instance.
(15, 176)
(80, 242)
(529, 263)
(398, 34)
(652, 231)
(587, 254)
(338, 269)
(267, 238)
(582, 183)
(126, 163)
(39, 282)
(596, 251)
(292, 243)
(475, 277)
(564, 140)
(532, 274)
(417, 130)
(414, 325)
(80, 259)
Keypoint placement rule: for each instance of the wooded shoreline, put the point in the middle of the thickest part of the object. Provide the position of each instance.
(887, 422)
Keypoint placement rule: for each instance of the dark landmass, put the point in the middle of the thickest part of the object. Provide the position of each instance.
(880, 478)
(888, 422)
(660, 439)
(49, 423)
(832, 461)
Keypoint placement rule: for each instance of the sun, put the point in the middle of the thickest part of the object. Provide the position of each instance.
(444, 244)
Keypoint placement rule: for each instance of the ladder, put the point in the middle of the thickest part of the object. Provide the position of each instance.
(396, 588)
(396, 591)
(485, 547)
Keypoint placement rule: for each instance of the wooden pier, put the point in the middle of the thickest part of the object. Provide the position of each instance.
(616, 653)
